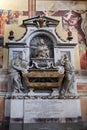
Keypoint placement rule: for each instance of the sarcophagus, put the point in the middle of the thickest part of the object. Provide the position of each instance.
(43, 79)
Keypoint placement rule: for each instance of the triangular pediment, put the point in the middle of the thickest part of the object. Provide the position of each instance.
(40, 21)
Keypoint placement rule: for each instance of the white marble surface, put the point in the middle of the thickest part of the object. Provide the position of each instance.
(51, 108)
(16, 110)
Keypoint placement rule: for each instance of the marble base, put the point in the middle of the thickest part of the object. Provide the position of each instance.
(43, 113)
(51, 110)
(48, 126)
(39, 110)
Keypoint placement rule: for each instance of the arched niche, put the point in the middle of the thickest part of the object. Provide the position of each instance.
(49, 39)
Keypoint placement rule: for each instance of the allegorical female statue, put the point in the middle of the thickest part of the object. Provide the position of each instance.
(69, 79)
(15, 70)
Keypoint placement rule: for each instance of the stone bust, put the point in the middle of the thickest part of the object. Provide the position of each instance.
(42, 50)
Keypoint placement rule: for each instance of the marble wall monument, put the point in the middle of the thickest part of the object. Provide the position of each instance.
(42, 77)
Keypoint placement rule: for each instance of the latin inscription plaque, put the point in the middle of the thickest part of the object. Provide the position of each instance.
(50, 109)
